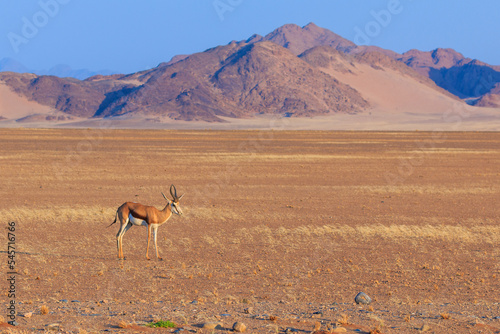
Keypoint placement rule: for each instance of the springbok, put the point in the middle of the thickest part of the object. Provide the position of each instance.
(131, 213)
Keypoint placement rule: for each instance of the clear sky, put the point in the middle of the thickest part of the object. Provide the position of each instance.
(131, 35)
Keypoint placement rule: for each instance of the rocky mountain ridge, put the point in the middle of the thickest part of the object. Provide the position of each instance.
(292, 71)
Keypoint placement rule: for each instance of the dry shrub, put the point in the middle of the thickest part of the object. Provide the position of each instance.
(123, 324)
(344, 319)
(378, 327)
(375, 331)
(44, 310)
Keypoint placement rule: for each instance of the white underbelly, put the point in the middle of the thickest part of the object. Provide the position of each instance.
(137, 221)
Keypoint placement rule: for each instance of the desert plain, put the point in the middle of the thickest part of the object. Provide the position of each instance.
(281, 230)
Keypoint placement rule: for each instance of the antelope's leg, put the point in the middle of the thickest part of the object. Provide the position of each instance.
(155, 232)
(119, 238)
(149, 237)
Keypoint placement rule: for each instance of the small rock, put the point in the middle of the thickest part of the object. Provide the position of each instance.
(54, 327)
(339, 330)
(28, 315)
(188, 329)
(211, 325)
(362, 298)
(183, 330)
(239, 327)
(425, 328)
(316, 315)
(248, 310)
(63, 300)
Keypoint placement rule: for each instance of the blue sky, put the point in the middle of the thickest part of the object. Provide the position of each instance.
(127, 36)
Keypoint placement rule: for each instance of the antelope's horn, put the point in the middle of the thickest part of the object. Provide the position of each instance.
(173, 192)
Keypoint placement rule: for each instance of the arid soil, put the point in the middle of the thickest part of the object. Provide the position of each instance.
(281, 230)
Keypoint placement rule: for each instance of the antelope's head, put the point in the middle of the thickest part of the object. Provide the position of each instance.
(176, 208)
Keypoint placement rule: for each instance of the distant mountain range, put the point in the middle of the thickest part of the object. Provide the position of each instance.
(463, 77)
(62, 71)
(292, 72)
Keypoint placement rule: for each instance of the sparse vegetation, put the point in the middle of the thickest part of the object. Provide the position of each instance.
(161, 324)
(445, 316)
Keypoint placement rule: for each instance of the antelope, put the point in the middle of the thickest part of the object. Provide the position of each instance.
(130, 213)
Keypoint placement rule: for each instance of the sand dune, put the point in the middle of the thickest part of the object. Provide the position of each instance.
(13, 105)
(405, 102)
(18, 111)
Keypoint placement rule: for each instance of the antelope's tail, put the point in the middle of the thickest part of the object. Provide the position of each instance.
(114, 221)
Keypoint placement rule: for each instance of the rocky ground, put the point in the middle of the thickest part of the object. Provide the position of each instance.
(281, 230)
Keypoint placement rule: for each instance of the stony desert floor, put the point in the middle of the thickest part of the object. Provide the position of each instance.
(281, 230)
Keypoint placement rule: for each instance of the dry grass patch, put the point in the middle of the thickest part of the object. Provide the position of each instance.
(59, 214)
(425, 189)
(396, 233)
(221, 214)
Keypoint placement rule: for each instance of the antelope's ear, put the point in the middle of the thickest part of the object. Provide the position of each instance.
(181, 196)
(165, 197)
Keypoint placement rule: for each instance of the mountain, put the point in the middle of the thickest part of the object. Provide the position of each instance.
(61, 70)
(299, 39)
(71, 96)
(491, 99)
(64, 71)
(291, 72)
(387, 84)
(423, 61)
(449, 69)
(237, 80)
(11, 65)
